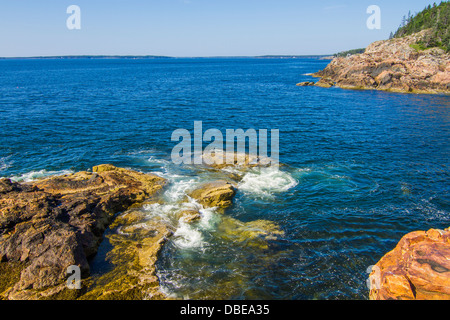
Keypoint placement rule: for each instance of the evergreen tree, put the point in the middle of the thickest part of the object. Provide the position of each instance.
(436, 18)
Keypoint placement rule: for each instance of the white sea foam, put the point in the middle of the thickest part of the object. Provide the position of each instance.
(267, 181)
(34, 175)
(191, 205)
(5, 164)
(190, 236)
(210, 218)
(187, 236)
(164, 211)
(177, 190)
(178, 184)
(158, 161)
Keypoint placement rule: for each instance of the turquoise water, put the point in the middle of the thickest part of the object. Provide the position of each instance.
(363, 168)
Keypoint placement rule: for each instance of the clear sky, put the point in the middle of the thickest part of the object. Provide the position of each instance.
(184, 28)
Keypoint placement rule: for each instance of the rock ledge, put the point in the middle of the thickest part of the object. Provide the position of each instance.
(50, 224)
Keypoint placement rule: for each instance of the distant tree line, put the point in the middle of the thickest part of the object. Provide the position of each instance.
(349, 52)
(434, 17)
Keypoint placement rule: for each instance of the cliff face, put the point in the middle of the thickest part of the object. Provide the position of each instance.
(392, 65)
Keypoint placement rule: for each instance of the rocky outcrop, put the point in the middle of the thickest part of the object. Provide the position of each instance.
(305, 84)
(217, 194)
(417, 269)
(189, 216)
(220, 159)
(48, 225)
(391, 65)
(220, 194)
(325, 83)
(136, 243)
(214, 194)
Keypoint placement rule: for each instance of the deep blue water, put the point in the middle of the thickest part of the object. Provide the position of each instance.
(369, 166)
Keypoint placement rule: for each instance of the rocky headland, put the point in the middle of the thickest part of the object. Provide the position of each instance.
(395, 65)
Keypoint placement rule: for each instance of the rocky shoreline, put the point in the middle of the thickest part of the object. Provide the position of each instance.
(394, 65)
(50, 224)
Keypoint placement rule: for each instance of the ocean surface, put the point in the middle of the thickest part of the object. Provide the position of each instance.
(362, 168)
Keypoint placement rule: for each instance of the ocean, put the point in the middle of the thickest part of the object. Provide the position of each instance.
(361, 168)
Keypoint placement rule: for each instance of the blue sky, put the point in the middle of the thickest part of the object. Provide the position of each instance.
(185, 28)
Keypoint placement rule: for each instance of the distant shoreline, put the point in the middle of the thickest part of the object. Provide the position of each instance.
(165, 57)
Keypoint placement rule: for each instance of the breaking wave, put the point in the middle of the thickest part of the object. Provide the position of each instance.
(267, 181)
(34, 175)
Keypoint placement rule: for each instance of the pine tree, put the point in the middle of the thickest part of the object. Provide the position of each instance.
(436, 18)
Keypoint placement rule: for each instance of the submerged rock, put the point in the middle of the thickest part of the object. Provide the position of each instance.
(253, 234)
(417, 269)
(48, 225)
(392, 65)
(189, 216)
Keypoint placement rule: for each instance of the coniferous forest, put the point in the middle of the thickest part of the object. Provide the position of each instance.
(434, 17)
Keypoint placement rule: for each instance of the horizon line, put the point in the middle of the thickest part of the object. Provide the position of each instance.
(165, 57)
